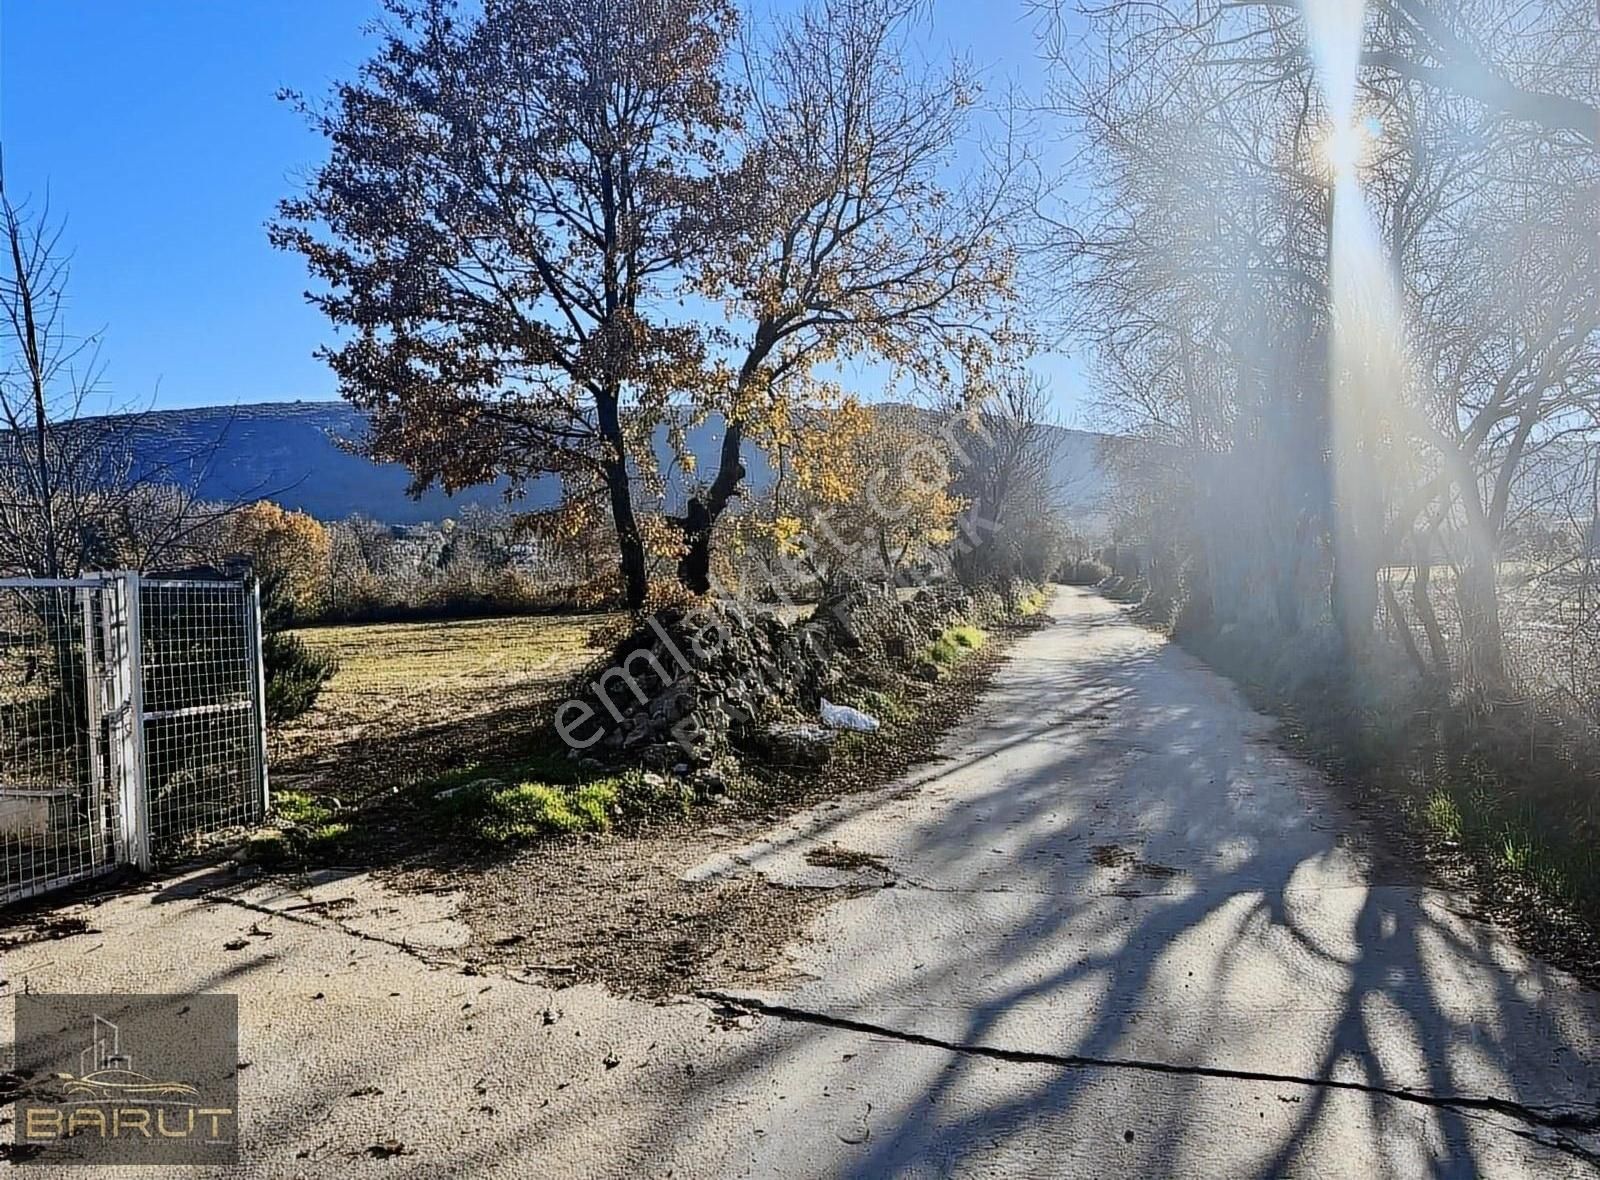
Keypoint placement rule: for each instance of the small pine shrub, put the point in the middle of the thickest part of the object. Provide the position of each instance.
(294, 673)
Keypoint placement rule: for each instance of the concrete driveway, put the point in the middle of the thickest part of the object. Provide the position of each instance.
(1115, 930)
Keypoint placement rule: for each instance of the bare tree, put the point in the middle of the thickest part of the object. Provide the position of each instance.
(52, 468)
(74, 494)
(1204, 256)
(1006, 449)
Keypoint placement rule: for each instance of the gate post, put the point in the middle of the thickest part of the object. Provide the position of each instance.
(125, 652)
(94, 692)
(258, 652)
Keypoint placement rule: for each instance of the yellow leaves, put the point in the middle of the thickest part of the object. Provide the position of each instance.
(828, 460)
(787, 534)
(292, 547)
(662, 539)
(865, 480)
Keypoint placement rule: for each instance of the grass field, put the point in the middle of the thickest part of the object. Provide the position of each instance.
(413, 700)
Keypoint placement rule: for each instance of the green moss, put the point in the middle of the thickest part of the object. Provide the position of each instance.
(321, 836)
(511, 814)
(971, 638)
(298, 807)
(953, 646)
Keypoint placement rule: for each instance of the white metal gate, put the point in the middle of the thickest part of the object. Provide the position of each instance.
(131, 719)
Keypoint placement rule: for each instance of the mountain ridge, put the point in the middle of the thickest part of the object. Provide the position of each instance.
(300, 455)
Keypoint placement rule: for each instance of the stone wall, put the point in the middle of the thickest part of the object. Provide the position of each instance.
(690, 686)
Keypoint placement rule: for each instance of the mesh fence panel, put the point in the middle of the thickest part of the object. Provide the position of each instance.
(57, 816)
(202, 739)
(79, 793)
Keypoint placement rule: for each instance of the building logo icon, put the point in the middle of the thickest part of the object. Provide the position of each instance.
(106, 1071)
(127, 1079)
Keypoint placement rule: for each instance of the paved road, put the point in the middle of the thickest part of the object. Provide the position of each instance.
(1119, 876)
(1115, 930)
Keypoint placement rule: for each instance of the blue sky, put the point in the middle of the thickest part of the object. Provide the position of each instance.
(153, 128)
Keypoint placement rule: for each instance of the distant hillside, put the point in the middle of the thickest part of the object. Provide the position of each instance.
(290, 452)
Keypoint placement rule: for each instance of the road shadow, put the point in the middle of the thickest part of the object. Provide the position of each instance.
(1132, 883)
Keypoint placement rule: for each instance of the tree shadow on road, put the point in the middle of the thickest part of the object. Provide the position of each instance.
(1338, 1008)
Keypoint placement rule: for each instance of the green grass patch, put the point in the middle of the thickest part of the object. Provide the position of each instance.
(971, 638)
(955, 645)
(1509, 843)
(535, 809)
(321, 837)
(1442, 815)
(298, 807)
(889, 708)
(552, 797)
(1034, 603)
(512, 813)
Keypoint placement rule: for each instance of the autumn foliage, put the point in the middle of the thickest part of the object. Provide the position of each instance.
(552, 233)
(289, 549)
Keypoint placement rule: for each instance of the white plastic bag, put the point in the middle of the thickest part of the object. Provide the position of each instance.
(844, 717)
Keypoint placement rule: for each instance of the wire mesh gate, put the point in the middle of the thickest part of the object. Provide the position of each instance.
(131, 718)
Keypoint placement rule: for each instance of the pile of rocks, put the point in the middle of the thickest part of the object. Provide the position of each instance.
(690, 686)
(866, 621)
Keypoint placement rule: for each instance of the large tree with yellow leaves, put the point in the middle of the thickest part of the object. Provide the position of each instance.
(853, 227)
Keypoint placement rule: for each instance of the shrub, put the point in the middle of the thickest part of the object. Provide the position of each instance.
(295, 675)
(970, 638)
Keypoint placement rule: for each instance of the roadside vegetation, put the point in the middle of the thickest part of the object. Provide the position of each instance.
(1384, 520)
(436, 735)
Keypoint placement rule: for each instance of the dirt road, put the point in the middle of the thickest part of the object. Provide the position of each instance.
(1116, 930)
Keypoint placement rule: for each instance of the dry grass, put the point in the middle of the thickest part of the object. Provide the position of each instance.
(412, 700)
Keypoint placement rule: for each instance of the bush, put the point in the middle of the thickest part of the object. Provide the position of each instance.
(294, 673)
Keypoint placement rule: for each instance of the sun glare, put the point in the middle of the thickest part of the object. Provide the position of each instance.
(1348, 147)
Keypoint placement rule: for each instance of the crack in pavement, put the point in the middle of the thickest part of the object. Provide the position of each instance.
(430, 959)
(329, 922)
(1549, 1117)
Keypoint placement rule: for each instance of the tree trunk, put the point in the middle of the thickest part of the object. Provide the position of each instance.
(700, 517)
(1422, 602)
(1479, 601)
(635, 580)
(630, 545)
(1485, 663)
